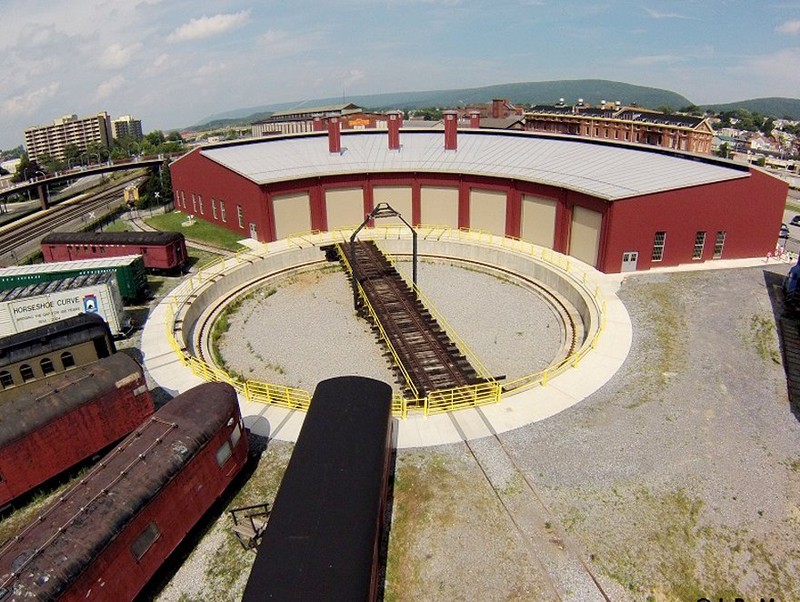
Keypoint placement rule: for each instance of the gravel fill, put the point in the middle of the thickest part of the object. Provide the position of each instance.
(302, 329)
(677, 480)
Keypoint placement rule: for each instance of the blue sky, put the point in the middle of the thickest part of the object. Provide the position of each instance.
(171, 63)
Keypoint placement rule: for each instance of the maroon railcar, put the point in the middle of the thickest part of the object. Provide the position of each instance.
(106, 537)
(56, 423)
(161, 250)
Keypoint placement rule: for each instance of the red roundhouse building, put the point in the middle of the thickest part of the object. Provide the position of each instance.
(615, 206)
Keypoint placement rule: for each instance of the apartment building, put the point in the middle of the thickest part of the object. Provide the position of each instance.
(53, 139)
(127, 127)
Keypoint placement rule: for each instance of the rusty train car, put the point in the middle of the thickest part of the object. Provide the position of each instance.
(51, 349)
(55, 424)
(105, 537)
(322, 541)
(161, 251)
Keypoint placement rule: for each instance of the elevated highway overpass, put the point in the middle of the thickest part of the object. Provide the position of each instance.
(39, 185)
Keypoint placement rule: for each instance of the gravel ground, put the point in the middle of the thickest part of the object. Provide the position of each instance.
(511, 329)
(679, 479)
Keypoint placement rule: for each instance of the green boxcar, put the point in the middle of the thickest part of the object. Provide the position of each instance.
(129, 269)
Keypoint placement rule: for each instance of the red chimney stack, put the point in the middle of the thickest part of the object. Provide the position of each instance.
(395, 121)
(317, 123)
(334, 136)
(475, 119)
(450, 130)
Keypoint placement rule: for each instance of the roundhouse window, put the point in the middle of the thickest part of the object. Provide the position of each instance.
(47, 366)
(67, 360)
(658, 246)
(26, 372)
(6, 380)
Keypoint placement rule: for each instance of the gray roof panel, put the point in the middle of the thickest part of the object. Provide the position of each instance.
(604, 170)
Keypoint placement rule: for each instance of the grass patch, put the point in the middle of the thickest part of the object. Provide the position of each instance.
(118, 226)
(415, 490)
(201, 231)
(763, 338)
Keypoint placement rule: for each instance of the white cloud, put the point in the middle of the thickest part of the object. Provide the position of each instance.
(109, 87)
(283, 43)
(352, 77)
(789, 28)
(654, 14)
(655, 59)
(27, 104)
(117, 56)
(778, 72)
(206, 27)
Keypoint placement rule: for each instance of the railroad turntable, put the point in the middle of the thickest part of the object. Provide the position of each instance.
(520, 346)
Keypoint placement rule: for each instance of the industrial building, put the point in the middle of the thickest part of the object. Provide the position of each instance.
(616, 206)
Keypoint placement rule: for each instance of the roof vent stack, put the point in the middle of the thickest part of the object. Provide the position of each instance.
(334, 135)
(395, 121)
(475, 119)
(450, 130)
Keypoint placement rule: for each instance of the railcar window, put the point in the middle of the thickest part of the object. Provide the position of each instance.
(26, 372)
(67, 360)
(223, 453)
(6, 380)
(47, 366)
(236, 434)
(144, 542)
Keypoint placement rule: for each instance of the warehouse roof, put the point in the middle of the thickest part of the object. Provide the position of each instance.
(601, 169)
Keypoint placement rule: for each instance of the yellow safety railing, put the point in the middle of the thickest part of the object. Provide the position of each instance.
(437, 401)
(470, 396)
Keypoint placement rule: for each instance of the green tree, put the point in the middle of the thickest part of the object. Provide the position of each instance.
(724, 150)
(26, 169)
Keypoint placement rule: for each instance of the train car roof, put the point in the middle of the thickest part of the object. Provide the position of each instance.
(54, 286)
(44, 401)
(53, 336)
(92, 513)
(112, 238)
(64, 266)
(324, 519)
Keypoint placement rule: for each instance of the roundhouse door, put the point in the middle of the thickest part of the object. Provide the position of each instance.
(629, 261)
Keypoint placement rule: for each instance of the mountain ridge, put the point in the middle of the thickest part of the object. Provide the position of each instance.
(592, 91)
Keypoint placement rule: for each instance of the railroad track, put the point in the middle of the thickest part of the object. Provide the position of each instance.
(430, 358)
(561, 563)
(33, 228)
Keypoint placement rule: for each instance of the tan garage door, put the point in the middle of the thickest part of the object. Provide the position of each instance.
(292, 214)
(398, 197)
(344, 207)
(538, 220)
(585, 237)
(439, 206)
(487, 211)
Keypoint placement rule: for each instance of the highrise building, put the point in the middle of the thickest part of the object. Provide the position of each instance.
(127, 126)
(53, 139)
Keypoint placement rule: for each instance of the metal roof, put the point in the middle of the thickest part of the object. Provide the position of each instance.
(71, 266)
(605, 170)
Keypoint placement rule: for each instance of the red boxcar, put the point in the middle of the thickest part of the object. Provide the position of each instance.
(107, 536)
(160, 250)
(56, 423)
